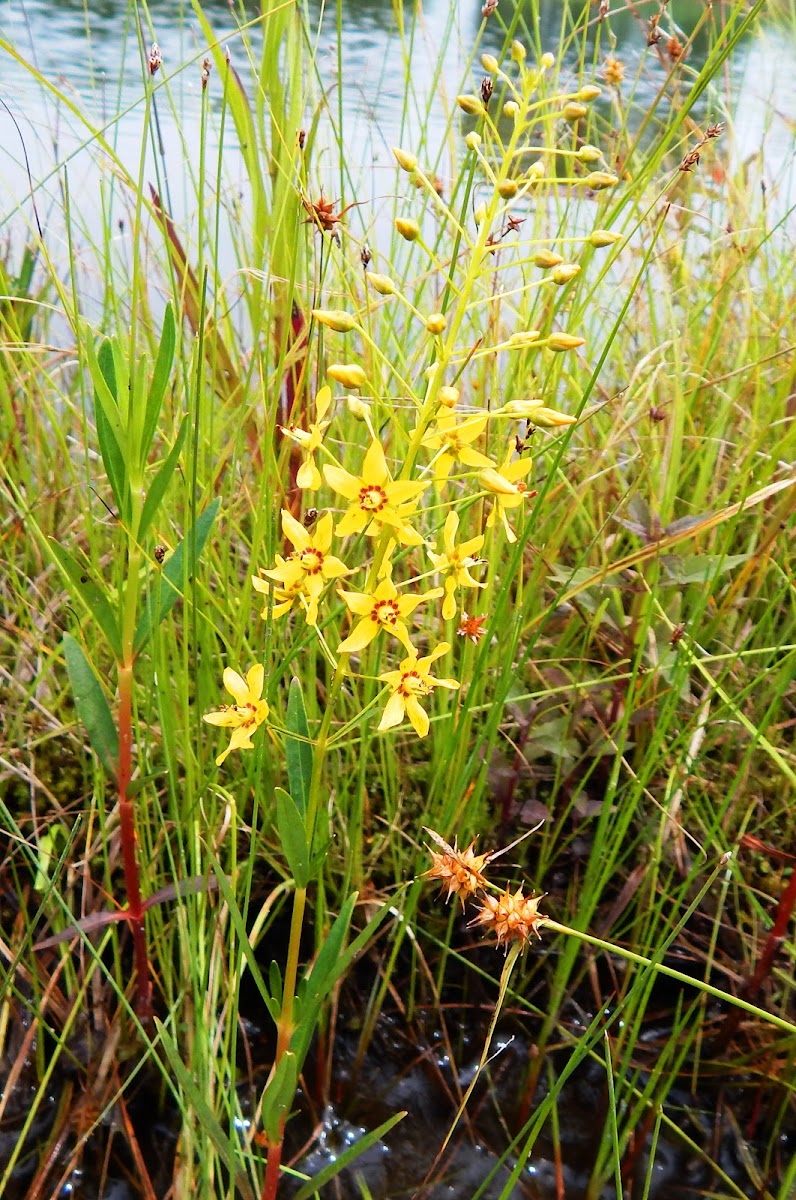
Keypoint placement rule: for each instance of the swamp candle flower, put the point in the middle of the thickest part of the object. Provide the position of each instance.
(509, 489)
(453, 440)
(310, 566)
(383, 608)
(455, 563)
(310, 441)
(248, 712)
(408, 685)
(376, 500)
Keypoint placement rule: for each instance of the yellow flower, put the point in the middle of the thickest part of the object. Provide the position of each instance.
(376, 500)
(246, 714)
(508, 488)
(455, 563)
(408, 683)
(308, 568)
(310, 440)
(383, 608)
(453, 440)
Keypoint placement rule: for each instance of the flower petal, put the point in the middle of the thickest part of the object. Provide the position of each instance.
(360, 636)
(417, 715)
(342, 482)
(374, 468)
(294, 531)
(236, 686)
(393, 712)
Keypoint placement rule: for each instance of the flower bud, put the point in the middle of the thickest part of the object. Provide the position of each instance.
(335, 318)
(564, 272)
(349, 374)
(548, 60)
(448, 396)
(564, 341)
(507, 188)
(523, 337)
(407, 162)
(410, 230)
(536, 170)
(589, 154)
(518, 52)
(473, 140)
(381, 284)
(572, 111)
(479, 216)
(549, 418)
(471, 105)
(511, 110)
(546, 259)
(589, 92)
(604, 237)
(489, 63)
(597, 180)
(358, 408)
(436, 323)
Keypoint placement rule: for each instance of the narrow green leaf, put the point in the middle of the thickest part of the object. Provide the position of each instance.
(275, 981)
(290, 826)
(92, 706)
(159, 484)
(278, 1096)
(173, 575)
(107, 419)
(349, 1156)
(298, 749)
(331, 963)
(91, 594)
(160, 379)
(700, 568)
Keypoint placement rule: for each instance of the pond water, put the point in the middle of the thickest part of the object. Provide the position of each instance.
(90, 51)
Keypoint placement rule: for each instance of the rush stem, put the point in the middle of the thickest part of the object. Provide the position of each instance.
(135, 910)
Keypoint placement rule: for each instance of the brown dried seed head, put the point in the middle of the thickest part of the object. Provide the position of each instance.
(510, 917)
(460, 871)
(155, 59)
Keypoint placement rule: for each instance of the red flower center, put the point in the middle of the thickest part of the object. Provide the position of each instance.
(372, 498)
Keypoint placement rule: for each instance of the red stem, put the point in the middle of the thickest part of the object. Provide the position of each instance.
(135, 908)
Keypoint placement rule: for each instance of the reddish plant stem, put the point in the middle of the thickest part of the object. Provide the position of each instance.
(135, 908)
(273, 1163)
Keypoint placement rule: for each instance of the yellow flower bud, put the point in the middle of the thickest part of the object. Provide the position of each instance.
(436, 323)
(597, 180)
(589, 154)
(564, 341)
(358, 408)
(604, 237)
(546, 259)
(410, 230)
(523, 337)
(473, 140)
(507, 188)
(381, 283)
(480, 214)
(589, 92)
(335, 318)
(471, 105)
(489, 63)
(572, 111)
(564, 272)
(407, 162)
(518, 52)
(536, 170)
(548, 61)
(448, 396)
(548, 418)
(511, 110)
(349, 374)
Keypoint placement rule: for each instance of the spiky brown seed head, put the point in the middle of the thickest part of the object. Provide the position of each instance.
(460, 871)
(510, 917)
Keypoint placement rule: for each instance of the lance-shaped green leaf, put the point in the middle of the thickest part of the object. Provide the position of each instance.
(278, 1096)
(92, 706)
(157, 488)
(160, 379)
(110, 433)
(290, 826)
(298, 749)
(91, 594)
(172, 578)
